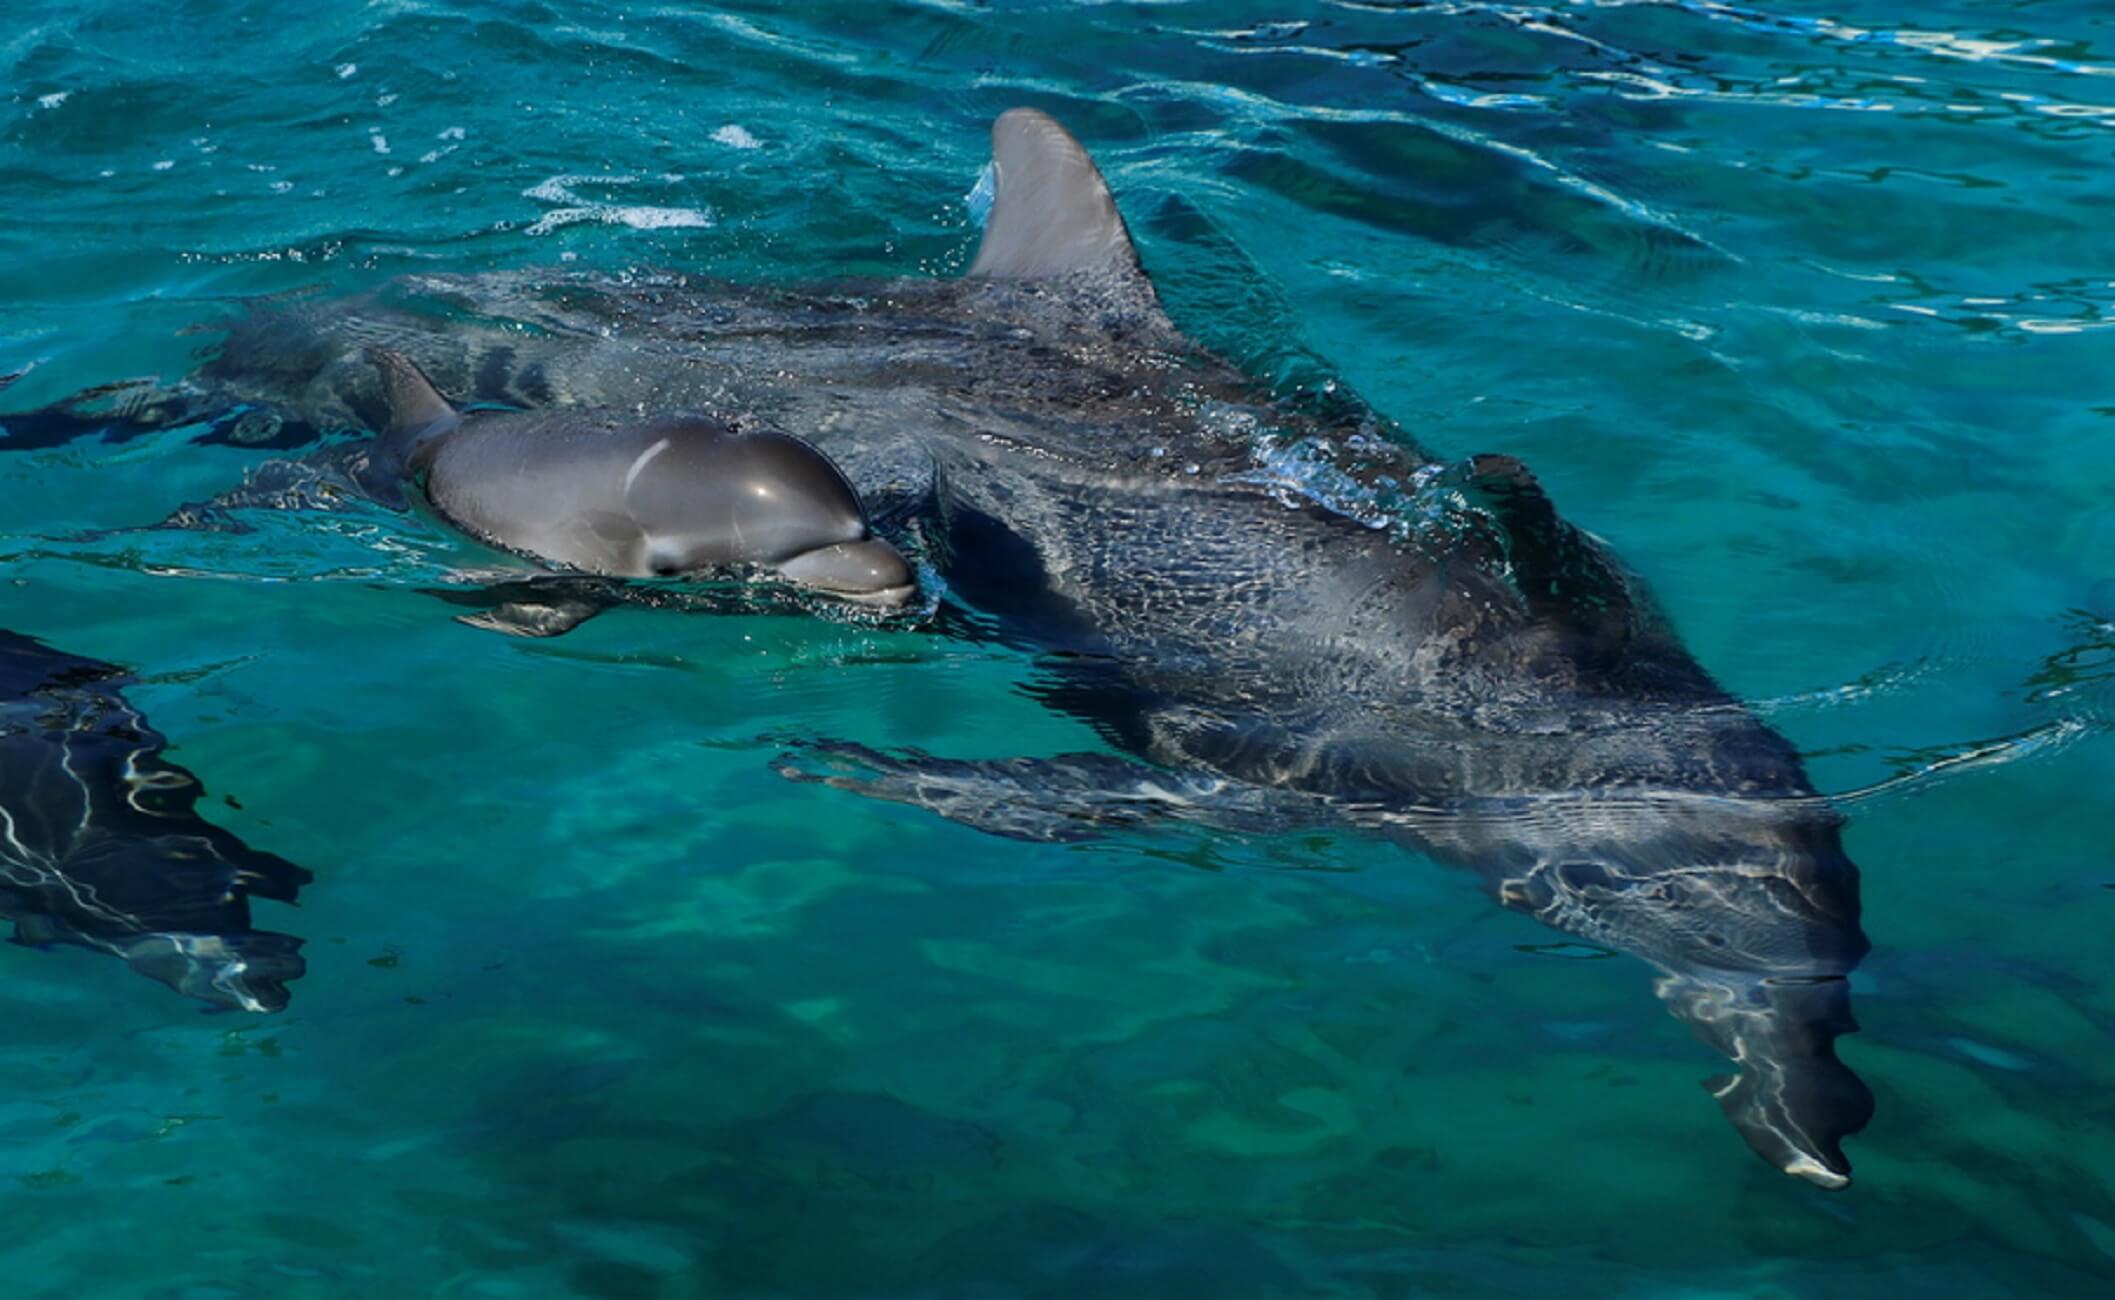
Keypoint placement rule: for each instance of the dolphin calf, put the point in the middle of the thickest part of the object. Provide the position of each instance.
(633, 499)
(1273, 611)
(593, 495)
(100, 846)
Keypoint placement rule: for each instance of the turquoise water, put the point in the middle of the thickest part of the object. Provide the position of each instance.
(1807, 310)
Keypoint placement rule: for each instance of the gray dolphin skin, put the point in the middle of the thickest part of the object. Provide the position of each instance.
(634, 499)
(100, 846)
(1276, 611)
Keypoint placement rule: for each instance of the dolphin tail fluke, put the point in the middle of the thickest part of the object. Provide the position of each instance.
(1052, 214)
(1793, 1100)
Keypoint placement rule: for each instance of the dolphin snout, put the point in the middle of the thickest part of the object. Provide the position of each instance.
(869, 572)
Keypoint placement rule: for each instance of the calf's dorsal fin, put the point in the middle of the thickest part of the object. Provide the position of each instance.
(415, 405)
(1052, 214)
(417, 415)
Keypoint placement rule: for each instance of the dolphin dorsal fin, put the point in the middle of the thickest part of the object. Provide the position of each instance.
(415, 405)
(417, 415)
(1567, 581)
(1052, 214)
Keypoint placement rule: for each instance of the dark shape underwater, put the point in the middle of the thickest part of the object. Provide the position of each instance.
(100, 845)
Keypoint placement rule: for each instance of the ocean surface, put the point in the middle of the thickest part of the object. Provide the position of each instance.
(1808, 307)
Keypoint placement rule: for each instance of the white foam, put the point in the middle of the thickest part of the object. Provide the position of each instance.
(380, 141)
(574, 209)
(659, 218)
(165, 164)
(638, 218)
(736, 137)
(559, 189)
(54, 99)
(345, 70)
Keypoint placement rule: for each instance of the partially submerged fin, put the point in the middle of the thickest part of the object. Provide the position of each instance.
(417, 414)
(536, 607)
(523, 618)
(1566, 580)
(1052, 214)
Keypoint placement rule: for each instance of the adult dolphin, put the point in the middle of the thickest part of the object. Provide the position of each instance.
(100, 846)
(1273, 611)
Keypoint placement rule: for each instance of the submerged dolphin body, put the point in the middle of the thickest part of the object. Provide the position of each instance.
(99, 845)
(1274, 612)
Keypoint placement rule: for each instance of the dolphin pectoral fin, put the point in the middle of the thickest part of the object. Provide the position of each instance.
(537, 607)
(520, 618)
(1052, 214)
(1063, 799)
(1563, 576)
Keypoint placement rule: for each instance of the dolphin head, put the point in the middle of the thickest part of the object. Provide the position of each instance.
(702, 495)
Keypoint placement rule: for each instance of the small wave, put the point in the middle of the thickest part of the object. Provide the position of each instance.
(2021, 51)
(1257, 109)
(1923, 768)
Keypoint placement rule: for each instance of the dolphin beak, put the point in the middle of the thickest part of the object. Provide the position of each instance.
(869, 572)
(882, 598)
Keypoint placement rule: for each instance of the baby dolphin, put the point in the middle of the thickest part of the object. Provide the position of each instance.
(657, 498)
